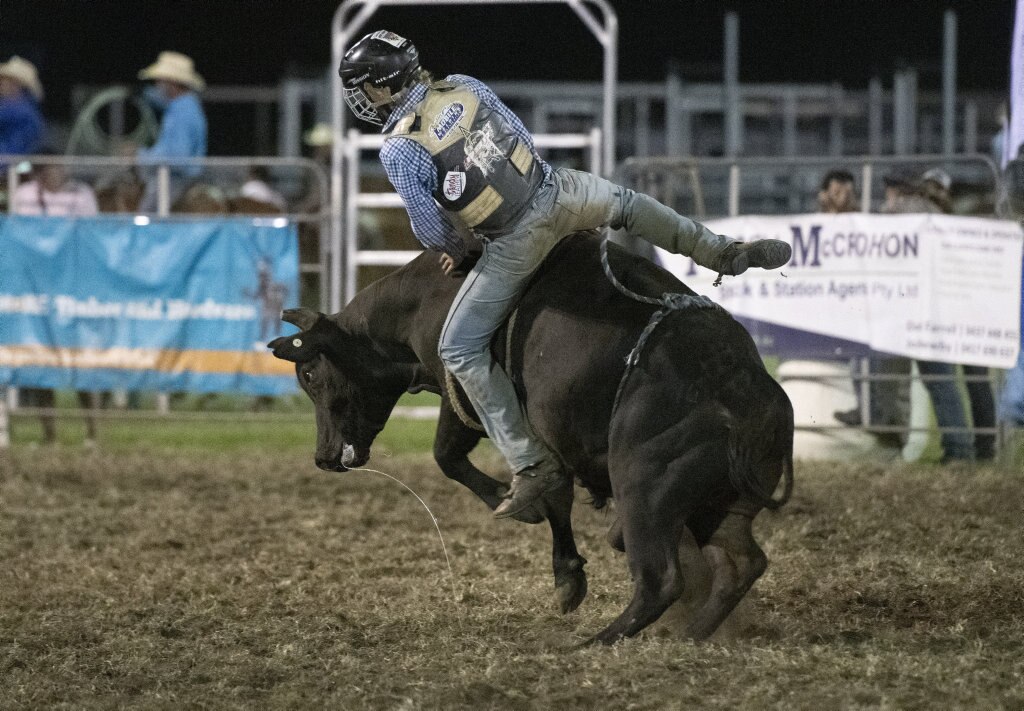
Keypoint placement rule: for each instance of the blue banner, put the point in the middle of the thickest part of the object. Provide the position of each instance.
(114, 303)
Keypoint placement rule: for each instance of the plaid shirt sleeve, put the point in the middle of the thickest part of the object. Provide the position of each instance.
(412, 173)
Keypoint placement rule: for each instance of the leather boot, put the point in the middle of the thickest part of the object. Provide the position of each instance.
(763, 254)
(529, 486)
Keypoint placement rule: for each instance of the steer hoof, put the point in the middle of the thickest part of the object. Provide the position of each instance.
(571, 587)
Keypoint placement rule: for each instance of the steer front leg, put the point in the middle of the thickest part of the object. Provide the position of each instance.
(452, 445)
(567, 563)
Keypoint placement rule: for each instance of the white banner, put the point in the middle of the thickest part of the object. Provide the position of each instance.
(930, 287)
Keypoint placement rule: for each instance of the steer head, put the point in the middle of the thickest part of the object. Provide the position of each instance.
(350, 381)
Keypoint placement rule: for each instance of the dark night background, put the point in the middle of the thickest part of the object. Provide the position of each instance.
(241, 41)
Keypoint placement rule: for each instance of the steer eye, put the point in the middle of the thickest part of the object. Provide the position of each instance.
(308, 375)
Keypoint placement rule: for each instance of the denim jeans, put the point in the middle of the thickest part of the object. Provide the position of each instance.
(1011, 402)
(949, 409)
(983, 411)
(890, 399)
(571, 201)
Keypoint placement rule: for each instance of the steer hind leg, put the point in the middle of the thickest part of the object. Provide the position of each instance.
(652, 531)
(736, 562)
(452, 445)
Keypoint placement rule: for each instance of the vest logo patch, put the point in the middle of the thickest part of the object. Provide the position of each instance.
(454, 184)
(446, 119)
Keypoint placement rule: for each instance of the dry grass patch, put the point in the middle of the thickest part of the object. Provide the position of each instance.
(158, 580)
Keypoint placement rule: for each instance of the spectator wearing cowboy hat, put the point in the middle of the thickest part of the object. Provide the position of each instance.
(936, 185)
(904, 194)
(21, 122)
(183, 128)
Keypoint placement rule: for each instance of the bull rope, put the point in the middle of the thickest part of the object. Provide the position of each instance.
(452, 387)
(453, 398)
(669, 302)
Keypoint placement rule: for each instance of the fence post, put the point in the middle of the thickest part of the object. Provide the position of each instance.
(731, 81)
(5, 421)
(163, 191)
(12, 185)
(835, 126)
(949, 82)
(865, 188)
(789, 123)
(351, 229)
(970, 126)
(734, 190)
(674, 113)
(875, 98)
(595, 150)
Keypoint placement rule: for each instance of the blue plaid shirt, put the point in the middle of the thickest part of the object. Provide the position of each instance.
(412, 172)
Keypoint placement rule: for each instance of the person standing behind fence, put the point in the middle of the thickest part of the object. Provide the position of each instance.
(21, 122)
(838, 195)
(52, 193)
(183, 127)
(935, 187)
(903, 195)
(1011, 401)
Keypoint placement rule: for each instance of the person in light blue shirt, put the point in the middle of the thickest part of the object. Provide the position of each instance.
(21, 123)
(183, 128)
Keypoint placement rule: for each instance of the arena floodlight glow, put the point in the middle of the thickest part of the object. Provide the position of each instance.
(352, 15)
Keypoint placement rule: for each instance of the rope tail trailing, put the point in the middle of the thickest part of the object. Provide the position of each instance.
(433, 519)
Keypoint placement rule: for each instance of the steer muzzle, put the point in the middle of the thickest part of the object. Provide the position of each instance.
(349, 458)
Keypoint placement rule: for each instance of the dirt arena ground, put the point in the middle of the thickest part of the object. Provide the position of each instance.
(242, 577)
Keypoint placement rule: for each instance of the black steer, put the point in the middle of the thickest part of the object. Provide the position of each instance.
(702, 434)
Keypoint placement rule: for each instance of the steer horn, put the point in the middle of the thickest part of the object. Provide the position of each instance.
(304, 318)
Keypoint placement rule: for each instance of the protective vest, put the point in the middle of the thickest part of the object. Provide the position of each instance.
(486, 174)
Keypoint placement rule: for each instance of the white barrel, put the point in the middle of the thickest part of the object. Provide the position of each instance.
(814, 404)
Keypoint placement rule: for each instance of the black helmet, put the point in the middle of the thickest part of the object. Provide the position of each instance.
(374, 71)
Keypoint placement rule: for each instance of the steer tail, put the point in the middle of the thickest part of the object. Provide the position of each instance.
(761, 453)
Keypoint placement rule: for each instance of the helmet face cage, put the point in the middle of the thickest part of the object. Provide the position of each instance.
(361, 106)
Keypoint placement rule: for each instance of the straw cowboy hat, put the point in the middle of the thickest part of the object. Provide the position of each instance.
(24, 72)
(176, 67)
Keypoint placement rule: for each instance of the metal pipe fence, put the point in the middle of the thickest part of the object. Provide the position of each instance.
(720, 187)
(215, 172)
(651, 173)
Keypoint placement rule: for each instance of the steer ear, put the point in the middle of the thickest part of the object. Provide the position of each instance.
(304, 318)
(298, 348)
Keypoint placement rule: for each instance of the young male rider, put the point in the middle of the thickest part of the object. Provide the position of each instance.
(456, 154)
